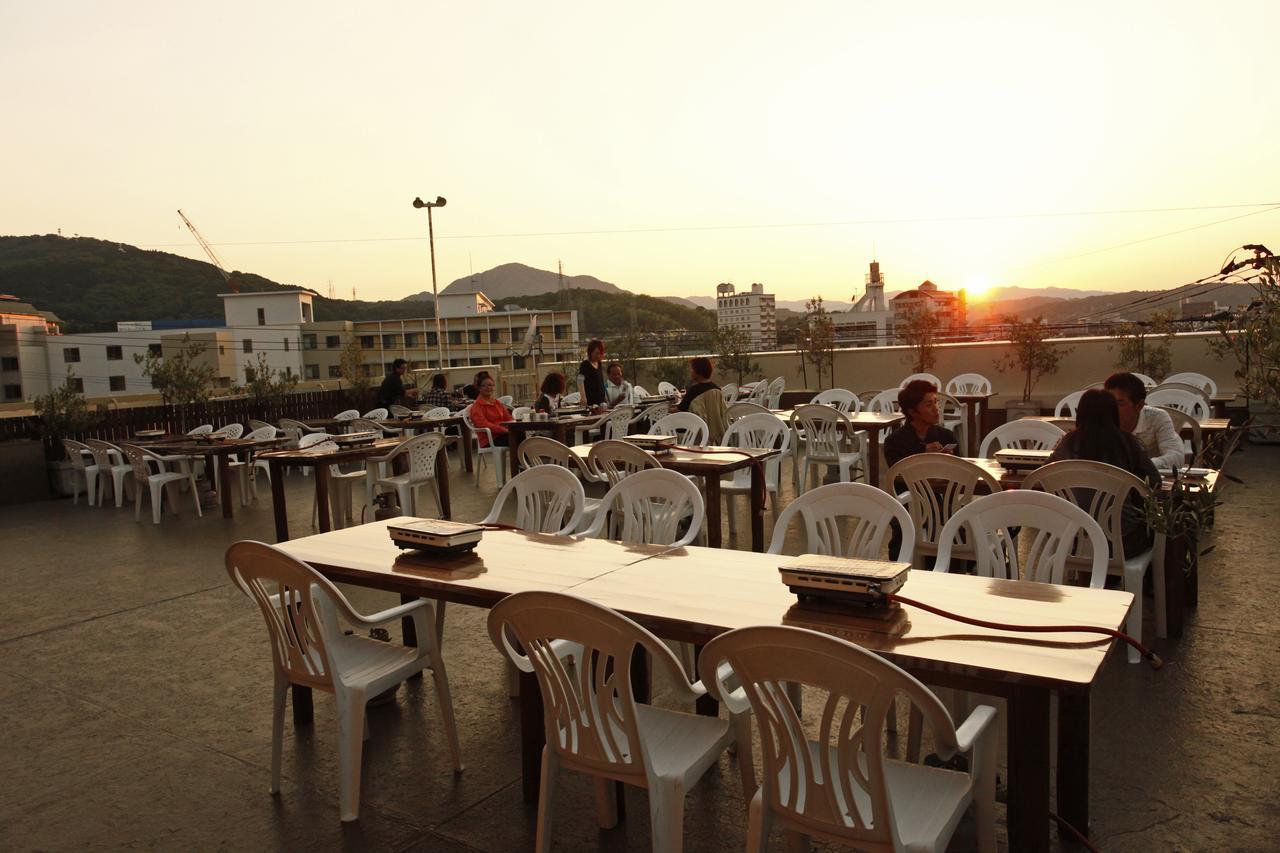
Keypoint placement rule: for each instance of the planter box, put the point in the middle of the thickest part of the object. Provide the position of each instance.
(23, 472)
(62, 479)
(1015, 409)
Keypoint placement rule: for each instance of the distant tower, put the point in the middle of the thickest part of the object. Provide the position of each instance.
(874, 298)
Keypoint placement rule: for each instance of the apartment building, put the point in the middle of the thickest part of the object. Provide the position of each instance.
(752, 311)
(948, 307)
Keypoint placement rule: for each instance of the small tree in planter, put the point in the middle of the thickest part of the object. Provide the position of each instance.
(1031, 355)
(266, 385)
(63, 413)
(1254, 339)
(1145, 347)
(816, 341)
(351, 364)
(733, 348)
(919, 331)
(182, 377)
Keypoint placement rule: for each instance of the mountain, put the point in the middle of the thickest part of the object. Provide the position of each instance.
(91, 284)
(605, 314)
(1014, 292)
(511, 281)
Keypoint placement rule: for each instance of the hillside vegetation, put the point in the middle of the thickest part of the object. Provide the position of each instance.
(602, 314)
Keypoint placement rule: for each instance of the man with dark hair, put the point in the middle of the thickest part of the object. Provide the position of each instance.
(700, 370)
(591, 374)
(921, 432)
(1150, 425)
(392, 391)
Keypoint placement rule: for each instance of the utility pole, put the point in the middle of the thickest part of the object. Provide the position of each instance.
(435, 294)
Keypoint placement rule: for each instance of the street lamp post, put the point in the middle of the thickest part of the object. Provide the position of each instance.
(435, 296)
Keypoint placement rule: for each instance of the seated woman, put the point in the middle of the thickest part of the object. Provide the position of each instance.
(438, 396)
(552, 389)
(487, 412)
(1099, 438)
(472, 391)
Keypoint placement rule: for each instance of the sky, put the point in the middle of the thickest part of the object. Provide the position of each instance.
(665, 147)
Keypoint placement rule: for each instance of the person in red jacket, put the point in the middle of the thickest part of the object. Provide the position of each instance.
(487, 412)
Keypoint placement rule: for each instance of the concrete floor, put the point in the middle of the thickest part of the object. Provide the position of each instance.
(135, 707)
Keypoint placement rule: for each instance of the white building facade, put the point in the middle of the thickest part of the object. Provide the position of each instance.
(752, 311)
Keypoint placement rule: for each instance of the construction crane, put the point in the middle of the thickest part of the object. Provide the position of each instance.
(213, 256)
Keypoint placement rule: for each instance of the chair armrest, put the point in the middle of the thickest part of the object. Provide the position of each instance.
(384, 616)
(973, 728)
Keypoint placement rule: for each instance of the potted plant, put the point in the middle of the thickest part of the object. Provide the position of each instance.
(63, 413)
(1031, 355)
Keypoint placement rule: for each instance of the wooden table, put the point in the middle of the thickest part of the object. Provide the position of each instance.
(972, 403)
(220, 450)
(1219, 404)
(695, 594)
(873, 424)
(320, 460)
(711, 463)
(562, 429)
(409, 424)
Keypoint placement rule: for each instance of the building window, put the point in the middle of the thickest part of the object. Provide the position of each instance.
(455, 362)
(306, 313)
(222, 350)
(367, 342)
(262, 316)
(155, 349)
(308, 341)
(224, 381)
(517, 362)
(335, 371)
(248, 345)
(313, 371)
(518, 335)
(410, 341)
(9, 362)
(367, 369)
(474, 335)
(78, 384)
(476, 361)
(431, 339)
(115, 353)
(417, 365)
(71, 355)
(117, 383)
(495, 336)
(433, 364)
(332, 341)
(13, 392)
(286, 344)
(388, 341)
(562, 332)
(455, 337)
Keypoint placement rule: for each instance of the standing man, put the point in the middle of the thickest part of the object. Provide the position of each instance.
(1152, 427)
(591, 375)
(921, 433)
(392, 391)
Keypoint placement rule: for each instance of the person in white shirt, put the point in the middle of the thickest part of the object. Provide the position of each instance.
(1150, 425)
(617, 391)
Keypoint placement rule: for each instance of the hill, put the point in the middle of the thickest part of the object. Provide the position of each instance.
(609, 315)
(91, 284)
(510, 281)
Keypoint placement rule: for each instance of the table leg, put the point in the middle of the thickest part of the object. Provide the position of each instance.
(532, 736)
(465, 437)
(1219, 408)
(713, 510)
(1073, 759)
(873, 450)
(224, 479)
(758, 497)
(277, 501)
(706, 706)
(442, 480)
(1028, 782)
(322, 497)
(514, 437)
(971, 416)
(303, 712)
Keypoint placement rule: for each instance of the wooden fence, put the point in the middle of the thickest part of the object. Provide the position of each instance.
(122, 424)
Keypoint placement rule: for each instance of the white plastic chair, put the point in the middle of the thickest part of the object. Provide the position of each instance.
(839, 398)
(340, 482)
(666, 389)
(1048, 525)
(1066, 407)
(83, 470)
(549, 499)
(544, 450)
(847, 520)
(639, 392)
(378, 414)
(421, 451)
(937, 486)
(243, 470)
(1146, 380)
(519, 413)
(255, 425)
(400, 411)
(967, 384)
(729, 391)
(111, 462)
(618, 423)
(884, 403)
(1022, 434)
(689, 429)
(1184, 401)
(611, 460)
(760, 393)
(776, 387)
(822, 436)
(437, 413)
(1101, 490)
(573, 399)
(1183, 422)
(648, 507)
(593, 722)
(305, 613)
(742, 410)
(203, 429)
(290, 423)
(506, 400)
(1199, 380)
(347, 415)
(927, 377)
(756, 431)
(142, 475)
(493, 452)
(828, 777)
(229, 431)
